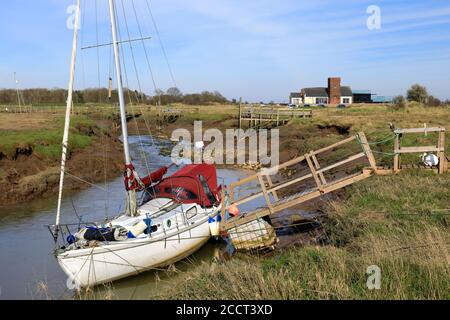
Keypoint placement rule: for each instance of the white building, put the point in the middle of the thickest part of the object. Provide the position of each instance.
(334, 94)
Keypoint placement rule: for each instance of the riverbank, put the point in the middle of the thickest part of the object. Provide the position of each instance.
(397, 224)
(30, 151)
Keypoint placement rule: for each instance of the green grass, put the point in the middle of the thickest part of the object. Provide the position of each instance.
(46, 143)
(398, 223)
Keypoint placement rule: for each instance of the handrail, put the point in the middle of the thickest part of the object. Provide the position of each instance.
(266, 191)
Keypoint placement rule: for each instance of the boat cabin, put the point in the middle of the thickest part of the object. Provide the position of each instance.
(195, 183)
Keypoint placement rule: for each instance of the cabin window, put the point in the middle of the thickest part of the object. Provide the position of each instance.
(207, 190)
(346, 100)
(192, 212)
(181, 193)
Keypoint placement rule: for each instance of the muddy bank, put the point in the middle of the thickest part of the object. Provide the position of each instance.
(27, 176)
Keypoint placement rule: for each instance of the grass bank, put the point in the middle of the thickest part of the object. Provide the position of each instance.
(398, 223)
(30, 152)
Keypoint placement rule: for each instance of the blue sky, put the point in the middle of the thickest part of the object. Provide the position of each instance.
(258, 49)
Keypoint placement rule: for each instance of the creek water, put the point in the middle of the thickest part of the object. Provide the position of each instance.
(28, 269)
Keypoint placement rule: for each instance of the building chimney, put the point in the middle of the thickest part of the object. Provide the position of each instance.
(334, 90)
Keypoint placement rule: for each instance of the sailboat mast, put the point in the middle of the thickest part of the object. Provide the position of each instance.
(123, 115)
(131, 205)
(68, 111)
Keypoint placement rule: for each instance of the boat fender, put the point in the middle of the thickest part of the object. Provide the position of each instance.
(214, 224)
(233, 211)
(71, 239)
(429, 159)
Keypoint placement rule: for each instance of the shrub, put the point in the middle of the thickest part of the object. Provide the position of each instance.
(399, 102)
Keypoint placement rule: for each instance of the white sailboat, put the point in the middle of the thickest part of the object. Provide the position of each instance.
(178, 215)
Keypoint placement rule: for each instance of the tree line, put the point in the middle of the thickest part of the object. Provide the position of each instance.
(42, 96)
(418, 93)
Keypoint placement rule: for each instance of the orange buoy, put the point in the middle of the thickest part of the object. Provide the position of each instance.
(233, 211)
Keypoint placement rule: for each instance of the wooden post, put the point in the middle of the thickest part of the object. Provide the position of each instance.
(397, 155)
(313, 171)
(278, 117)
(443, 167)
(260, 119)
(240, 113)
(266, 195)
(368, 151)
(317, 165)
(275, 195)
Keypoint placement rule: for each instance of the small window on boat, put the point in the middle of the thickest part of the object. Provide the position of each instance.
(192, 212)
(181, 193)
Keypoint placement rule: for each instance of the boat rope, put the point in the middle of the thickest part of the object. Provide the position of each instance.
(145, 51)
(85, 181)
(131, 48)
(98, 49)
(83, 18)
(160, 41)
(123, 62)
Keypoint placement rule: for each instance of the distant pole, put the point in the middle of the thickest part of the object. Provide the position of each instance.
(240, 113)
(17, 90)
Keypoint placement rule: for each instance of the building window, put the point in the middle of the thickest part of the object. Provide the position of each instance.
(346, 100)
(321, 100)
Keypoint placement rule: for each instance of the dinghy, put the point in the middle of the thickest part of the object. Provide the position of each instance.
(177, 214)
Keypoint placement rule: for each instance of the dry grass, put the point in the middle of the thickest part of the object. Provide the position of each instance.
(23, 122)
(399, 224)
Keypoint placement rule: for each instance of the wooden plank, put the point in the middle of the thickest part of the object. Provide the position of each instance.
(396, 155)
(317, 166)
(265, 193)
(340, 163)
(243, 181)
(443, 167)
(341, 183)
(329, 188)
(418, 149)
(419, 130)
(240, 220)
(288, 183)
(316, 152)
(248, 198)
(314, 172)
(275, 195)
(368, 150)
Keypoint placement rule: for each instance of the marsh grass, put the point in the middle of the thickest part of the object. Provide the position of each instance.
(45, 142)
(399, 223)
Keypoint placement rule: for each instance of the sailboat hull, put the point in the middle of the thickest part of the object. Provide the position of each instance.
(93, 266)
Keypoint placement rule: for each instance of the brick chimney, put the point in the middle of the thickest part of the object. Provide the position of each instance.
(334, 90)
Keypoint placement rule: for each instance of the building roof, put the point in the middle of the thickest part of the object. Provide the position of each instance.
(315, 92)
(362, 92)
(346, 92)
(322, 92)
(382, 99)
(295, 95)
